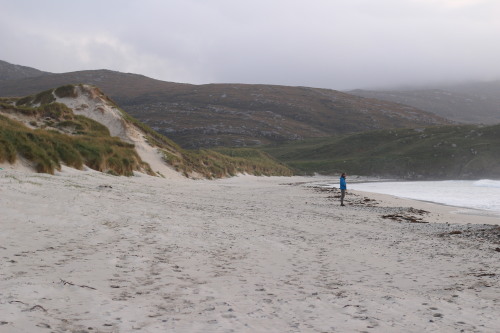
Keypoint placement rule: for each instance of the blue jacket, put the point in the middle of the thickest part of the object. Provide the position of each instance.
(343, 184)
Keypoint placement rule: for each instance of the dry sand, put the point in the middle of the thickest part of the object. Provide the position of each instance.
(89, 252)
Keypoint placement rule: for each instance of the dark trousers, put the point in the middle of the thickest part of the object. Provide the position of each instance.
(342, 196)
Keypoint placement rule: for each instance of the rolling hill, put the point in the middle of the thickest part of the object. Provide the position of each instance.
(212, 115)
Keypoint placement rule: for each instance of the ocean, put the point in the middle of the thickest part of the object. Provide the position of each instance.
(481, 194)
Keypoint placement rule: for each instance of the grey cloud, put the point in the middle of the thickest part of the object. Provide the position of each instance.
(320, 43)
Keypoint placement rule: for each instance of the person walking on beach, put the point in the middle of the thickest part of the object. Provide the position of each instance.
(343, 188)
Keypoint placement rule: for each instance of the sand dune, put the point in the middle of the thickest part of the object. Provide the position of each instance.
(89, 252)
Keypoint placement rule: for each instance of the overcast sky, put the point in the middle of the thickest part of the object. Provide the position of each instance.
(338, 44)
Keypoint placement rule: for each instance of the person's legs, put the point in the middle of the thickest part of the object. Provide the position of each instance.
(342, 196)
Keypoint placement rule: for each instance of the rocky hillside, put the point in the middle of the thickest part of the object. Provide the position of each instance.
(234, 114)
(245, 115)
(78, 125)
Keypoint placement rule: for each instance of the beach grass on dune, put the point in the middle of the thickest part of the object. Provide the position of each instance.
(47, 149)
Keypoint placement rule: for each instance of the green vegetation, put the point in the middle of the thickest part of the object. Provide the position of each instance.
(53, 111)
(66, 91)
(444, 152)
(45, 97)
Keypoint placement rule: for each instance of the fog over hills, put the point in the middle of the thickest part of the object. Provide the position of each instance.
(475, 102)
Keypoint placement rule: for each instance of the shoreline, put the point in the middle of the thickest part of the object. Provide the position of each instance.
(442, 212)
(482, 215)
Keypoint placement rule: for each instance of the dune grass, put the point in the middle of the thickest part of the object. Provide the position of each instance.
(47, 149)
(230, 162)
(254, 161)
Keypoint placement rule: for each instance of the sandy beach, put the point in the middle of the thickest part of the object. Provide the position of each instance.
(90, 252)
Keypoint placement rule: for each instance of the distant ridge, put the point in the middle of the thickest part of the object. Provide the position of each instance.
(13, 72)
(115, 84)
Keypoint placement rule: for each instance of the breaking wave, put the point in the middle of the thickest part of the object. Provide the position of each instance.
(487, 183)
(483, 194)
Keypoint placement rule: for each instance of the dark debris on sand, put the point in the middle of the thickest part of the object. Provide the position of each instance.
(411, 215)
(354, 199)
(479, 232)
(398, 214)
(404, 218)
(485, 233)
